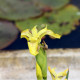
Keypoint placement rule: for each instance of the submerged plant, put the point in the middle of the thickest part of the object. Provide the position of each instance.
(37, 48)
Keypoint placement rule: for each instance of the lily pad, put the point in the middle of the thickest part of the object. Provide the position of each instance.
(62, 22)
(18, 9)
(8, 33)
(68, 14)
(30, 23)
(56, 4)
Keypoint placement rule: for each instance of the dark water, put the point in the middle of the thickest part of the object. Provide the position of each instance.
(69, 41)
(76, 3)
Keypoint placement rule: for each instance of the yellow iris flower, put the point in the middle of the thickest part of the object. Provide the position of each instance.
(34, 38)
(58, 76)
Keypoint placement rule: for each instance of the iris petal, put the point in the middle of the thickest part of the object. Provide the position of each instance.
(26, 34)
(51, 33)
(58, 76)
(33, 48)
(34, 31)
(45, 31)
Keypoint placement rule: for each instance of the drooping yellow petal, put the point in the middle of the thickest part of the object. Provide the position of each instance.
(33, 48)
(26, 34)
(38, 72)
(51, 33)
(45, 31)
(34, 31)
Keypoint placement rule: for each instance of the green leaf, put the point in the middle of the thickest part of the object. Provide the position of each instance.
(64, 20)
(8, 33)
(67, 14)
(61, 22)
(30, 23)
(67, 76)
(41, 59)
(55, 4)
(18, 9)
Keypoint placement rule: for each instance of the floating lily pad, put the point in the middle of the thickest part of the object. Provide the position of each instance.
(56, 4)
(61, 22)
(30, 23)
(8, 33)
(68, 14)
(65, 20)
(18, 9)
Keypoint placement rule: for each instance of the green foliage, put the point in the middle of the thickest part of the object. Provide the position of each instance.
(67, 75)
(30, 23)
(64, 21)
(22, 9)
(41, 59)
(18, 9)
(67, 14)
(8, 33)
(61, 21)
(55, 4)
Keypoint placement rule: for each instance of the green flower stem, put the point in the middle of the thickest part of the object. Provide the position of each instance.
(67, 75)
(41, 60)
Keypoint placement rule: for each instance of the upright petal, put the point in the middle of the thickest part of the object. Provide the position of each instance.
(42, 32)
(34, 31)
(33, 48)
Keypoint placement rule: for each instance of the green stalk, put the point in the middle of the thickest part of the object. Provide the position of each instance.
(67, 75)
(41, 60)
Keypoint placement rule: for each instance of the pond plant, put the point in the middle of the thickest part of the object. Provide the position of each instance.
(37, 47)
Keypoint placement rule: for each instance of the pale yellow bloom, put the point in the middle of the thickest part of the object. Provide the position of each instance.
(58, 76)
(34, 38)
